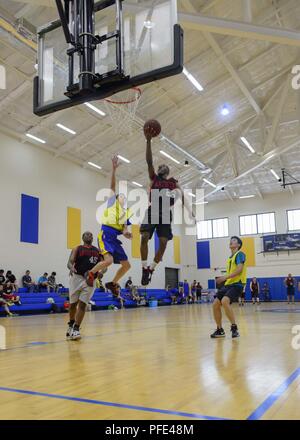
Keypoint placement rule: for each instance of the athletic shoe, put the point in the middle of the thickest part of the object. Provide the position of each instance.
(145, 276)
(150, 271)
(75, 334)
(89, 278)
(113, 287)
(234, 331)
(219, 333)
(69, 331)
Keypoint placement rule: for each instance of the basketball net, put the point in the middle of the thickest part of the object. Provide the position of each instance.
(121, 109)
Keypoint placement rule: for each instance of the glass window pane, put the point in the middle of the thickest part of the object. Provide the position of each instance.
(266, 222)
(220, 227)
(294, 220)
(248, 225)
(204, 229)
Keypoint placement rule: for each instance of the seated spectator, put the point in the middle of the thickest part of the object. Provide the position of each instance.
(135, 295)
(4, 304)
(53, 287)
(182, 296)
(28, 283)
(43, 282)
(129, 284)
(12, 279)
(198, 292)
(2, 277)
(7, 294)
(119, 298)
(99, 284)
(174, 296)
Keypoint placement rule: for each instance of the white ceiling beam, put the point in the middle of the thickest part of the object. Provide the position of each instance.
(219, 52)
(247, 10)
(272, 133)
(239, 29)
(49, 3)
(271, 155)
(231, 154)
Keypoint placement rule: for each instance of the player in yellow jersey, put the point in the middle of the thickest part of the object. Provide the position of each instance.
(115, 221)
(233, 283)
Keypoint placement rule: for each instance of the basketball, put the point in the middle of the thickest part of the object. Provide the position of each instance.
(152, 128)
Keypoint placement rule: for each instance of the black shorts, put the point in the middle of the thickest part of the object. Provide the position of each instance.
(162, 229)
(291, 291)
(232, 292)
(254, 294)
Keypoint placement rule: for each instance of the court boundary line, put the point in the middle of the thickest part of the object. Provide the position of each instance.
(273, 397)
(111, 404)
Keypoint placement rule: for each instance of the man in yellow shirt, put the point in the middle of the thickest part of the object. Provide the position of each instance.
(115, 221)
(233, 283)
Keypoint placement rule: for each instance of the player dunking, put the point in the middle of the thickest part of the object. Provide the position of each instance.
(115, 221)
(163, 192)
(82, 259)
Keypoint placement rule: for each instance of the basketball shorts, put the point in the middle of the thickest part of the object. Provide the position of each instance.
(162, 229)
(254, 294)
(233, 292)
(79, 290)
(290, 291)
(109, 243)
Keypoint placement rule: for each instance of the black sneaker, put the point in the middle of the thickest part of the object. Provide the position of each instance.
(219, 333)
(151, 272)
(145, 276)
(234, 331)
(113, 287)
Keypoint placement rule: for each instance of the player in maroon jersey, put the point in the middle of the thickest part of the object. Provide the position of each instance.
(163, 193)
(82, 259)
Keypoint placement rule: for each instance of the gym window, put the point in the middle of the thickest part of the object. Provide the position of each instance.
(257, 224)
(293, 216)
(216, 228)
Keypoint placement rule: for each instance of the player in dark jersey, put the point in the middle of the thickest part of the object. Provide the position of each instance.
(163, 193)
(82, 259)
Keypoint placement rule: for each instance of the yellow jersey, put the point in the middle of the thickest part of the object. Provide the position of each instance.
(115, 215)
(232, 263)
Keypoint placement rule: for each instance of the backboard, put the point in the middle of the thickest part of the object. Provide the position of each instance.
(126, 44)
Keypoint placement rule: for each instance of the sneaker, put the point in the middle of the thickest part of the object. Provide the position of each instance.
(145, 276)
(69, 331)
(150, 271)
(219, 333)
(234, 331)
(113, 287)
(75, 334)
(89, 278)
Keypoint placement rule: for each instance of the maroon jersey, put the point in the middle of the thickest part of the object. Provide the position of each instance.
(86, 257)
(163, 190)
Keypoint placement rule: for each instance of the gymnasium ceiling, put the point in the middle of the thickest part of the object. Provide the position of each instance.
(249, 72)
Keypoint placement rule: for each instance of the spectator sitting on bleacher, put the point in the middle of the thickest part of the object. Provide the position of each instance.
(129, 283)
(174, 295)
(43, 282)
(4, 304)
(12, 279)
(7, 294)
(182, 296)
(119, 297)
(28, 283)
(52, 282)
(99, 284)
(2, 277)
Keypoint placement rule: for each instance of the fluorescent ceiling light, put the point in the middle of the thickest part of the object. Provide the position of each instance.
(210, 183)
(95, 165)
(169, 157)
(149, 24)
(192, 79)
(225, 110)
(35, 138)
(96, 109)
(247, 197)
(123, 158)
(275, 174)
(244, 140)
(191, 194)
(137, 184)
(201, 203)
(63, 127)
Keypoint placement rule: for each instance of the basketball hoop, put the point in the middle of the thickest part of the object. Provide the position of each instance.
(121, 108)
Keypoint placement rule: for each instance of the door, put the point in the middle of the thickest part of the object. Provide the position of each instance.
(171, 277)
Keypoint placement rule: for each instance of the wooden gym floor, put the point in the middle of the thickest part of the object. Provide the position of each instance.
(152, 364)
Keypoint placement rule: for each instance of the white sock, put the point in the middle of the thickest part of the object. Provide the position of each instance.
(145, 264)
(153, 265)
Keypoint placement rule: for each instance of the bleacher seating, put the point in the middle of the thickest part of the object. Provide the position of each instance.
(36, 303)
